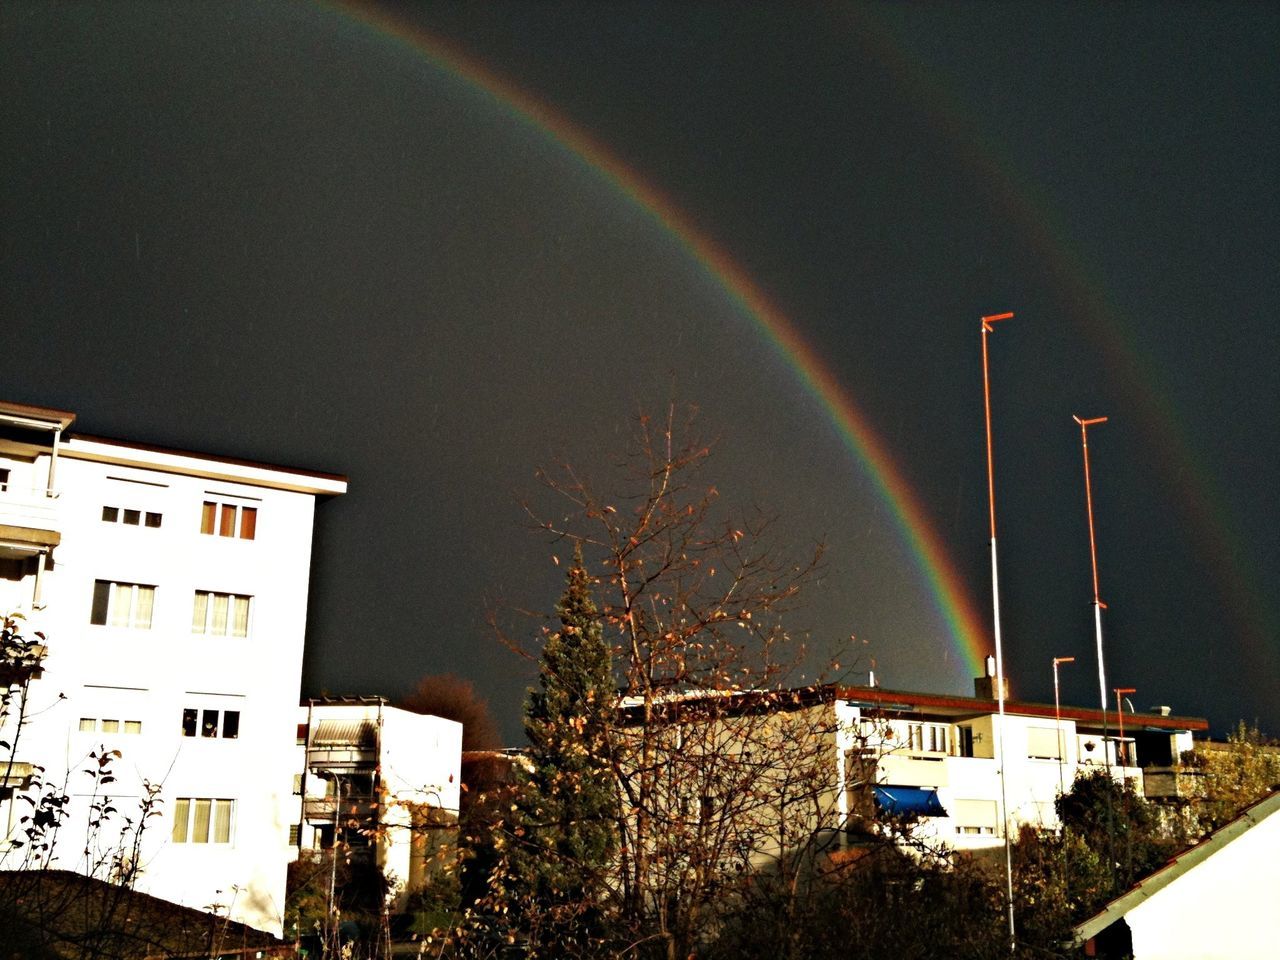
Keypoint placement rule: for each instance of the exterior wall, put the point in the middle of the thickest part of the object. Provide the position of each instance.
(1041, 758)
(132, 684)
(1222, 907)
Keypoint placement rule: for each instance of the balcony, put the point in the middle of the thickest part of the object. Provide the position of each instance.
(322, 809)
(28, 521)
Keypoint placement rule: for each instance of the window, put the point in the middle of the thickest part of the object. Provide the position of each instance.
(302, 734)
(4, 479)
(122, 604)
(221, 614)
(229, 520)
(966, 741)
(208, 723)
(1044, 743)
(131, 518)
(295, 834)
(200, 820)
(975, 817)
(297, 784)
(93, 725)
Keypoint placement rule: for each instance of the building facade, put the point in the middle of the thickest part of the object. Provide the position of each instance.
(172, 590)
(939, 757)
(378, 782)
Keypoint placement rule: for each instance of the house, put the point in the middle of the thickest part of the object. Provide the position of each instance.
(171, 588)
(1215, 899)
(836, 755)
(379, 782)
(937, 756)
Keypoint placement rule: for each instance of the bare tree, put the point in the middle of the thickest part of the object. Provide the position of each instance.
(721, 766)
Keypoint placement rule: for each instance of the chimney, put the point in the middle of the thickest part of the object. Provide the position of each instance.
(1163, 711)
(984, 688)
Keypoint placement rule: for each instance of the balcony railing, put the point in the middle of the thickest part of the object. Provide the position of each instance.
(27, 508)
(323, 809)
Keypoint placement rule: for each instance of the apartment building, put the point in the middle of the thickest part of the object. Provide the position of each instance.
(172, 589)
(939, 756)
(378, 782)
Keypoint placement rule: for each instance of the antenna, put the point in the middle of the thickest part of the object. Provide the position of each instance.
(1057, 717)
(995, 605)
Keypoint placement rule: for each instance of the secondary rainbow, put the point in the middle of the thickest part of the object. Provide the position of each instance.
(967, 627)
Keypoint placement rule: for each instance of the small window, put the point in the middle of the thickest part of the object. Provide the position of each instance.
(4, 479)
(88, 725)
(110, 726)
(302, 734)
(211, 723)
(295, 834)
(133, 726)
(153, 519)
(297, 784)
(133, 517)
(228, 520)
(111, 514)
(122, 604)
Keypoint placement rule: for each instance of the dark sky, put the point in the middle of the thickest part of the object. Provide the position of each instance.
(273, 231)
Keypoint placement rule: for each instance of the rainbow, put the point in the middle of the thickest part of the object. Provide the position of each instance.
(967, 627)
(1246, 604)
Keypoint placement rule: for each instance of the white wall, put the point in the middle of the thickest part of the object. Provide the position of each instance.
(1223, 907)
(151, 675)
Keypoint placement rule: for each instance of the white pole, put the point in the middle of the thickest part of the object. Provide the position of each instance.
(995, 604)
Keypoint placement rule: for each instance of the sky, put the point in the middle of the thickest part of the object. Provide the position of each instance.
(435, 247)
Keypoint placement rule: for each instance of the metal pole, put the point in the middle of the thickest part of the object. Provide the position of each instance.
(1057, 717)
(995, 605)
(1120, 759)
(1098, 605)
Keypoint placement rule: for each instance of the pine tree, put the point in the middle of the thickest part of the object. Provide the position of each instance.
(565, 825)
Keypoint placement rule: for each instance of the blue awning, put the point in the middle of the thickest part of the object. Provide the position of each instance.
(909, 801)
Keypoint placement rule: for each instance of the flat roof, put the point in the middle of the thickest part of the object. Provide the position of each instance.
(22, 414)
(888, 700)
(191, 463)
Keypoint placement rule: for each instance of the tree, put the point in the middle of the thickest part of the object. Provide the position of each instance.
(1233, 775)
(564, 831)
(455, 698)
(717, 766)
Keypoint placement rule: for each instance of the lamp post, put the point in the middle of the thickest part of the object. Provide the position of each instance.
(1057, 717)
(995, 605)
(1098, 605)
(1120, 747)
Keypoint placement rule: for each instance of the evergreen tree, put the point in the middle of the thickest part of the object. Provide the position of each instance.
(564, 826)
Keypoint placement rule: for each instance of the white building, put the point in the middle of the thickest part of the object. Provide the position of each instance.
(379, 780)
(172, 588)
(938, 756)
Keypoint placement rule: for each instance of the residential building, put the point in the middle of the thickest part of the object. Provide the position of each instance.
(938, 756)
(172, 589)
(1215, 899)
(379, 782)
(837, 754)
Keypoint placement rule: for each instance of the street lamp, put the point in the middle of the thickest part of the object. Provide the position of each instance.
(1120, 747)
(1057, 716)
(1098, 605)
(995, 604)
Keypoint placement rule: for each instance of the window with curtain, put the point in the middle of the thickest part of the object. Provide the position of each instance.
(202, 820)
(122, 604)
(220, 614)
